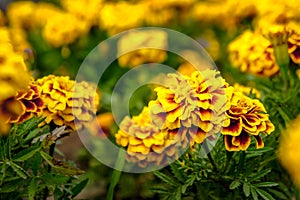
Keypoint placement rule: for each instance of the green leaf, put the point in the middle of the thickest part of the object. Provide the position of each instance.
(258, 175)
(79, 187)
(278, 194)
(32, 189)
(254, 193)
(160, 190)
(26, 154)
(266, 184)
(47, 158)
(177, 173)
(234, 184)
(167, 179)
(265, 195)
(246, 189)
(19, 170)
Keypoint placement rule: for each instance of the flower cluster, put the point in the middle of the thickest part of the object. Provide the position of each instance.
(187, 110)
(246, 117)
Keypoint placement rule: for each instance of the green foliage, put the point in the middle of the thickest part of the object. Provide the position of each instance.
(224, 175)
(28, 170)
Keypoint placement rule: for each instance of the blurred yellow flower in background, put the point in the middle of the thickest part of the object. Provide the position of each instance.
(20, 14)
(2, 18)
(67, 102)
(253, 53)
(137, 40)
(246, 117)
(64, 29)
(13, 77)
(87, 10)
(288, 151)
(121, 16)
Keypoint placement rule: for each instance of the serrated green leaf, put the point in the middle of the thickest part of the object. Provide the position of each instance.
(177, 173)
(254, 193)
(79, 187)
(18, 169)
(278, 194)
(246, 189)
(234, 184)
(47, 158)
(26, 154)
(258, 175)
(167, 179)
(266, 184)
(32, 189)
(265, 195)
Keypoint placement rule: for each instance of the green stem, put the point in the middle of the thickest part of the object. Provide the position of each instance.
(206, 149)
(51, 153)
(116, 174)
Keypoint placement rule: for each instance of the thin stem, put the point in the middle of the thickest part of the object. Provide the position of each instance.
(51, 153)
(206, 149)
(116, 174)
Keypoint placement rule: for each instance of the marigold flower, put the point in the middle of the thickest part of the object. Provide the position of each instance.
(31, 102)
(9, 108)
(63, 29)
(138, 40)
(196, 101)
(144, 141)
(42, 11)
(20, 14)
(112, 16)
(66, 102)
(289, 148)
(294, 43)
(246, 117)
(253, 53)
(91, 10)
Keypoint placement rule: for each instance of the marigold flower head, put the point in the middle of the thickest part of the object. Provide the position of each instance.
(294, 43)
(31, 102)
(145, 142)
(246, 117)
(64, 29)
(20, 14)
(138, 40)
(67, 102)
(91, 10)
(289, 148)
(112, 16)
(42, 11)
(253, 53)
(196, 101)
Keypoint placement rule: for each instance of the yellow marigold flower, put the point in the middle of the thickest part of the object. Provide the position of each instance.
(246, 117)
(42, 12)
(31, 102)
(112, 16)
(20, 14)
(289, 148)
(195, 102)
(144, 141)
(137, 40)
(66, 102)
(91, 10)
(253, 53)
(19, 39)
(9, 108)
(186, 69)
(294, 43)
(246, 90)
(63, 29)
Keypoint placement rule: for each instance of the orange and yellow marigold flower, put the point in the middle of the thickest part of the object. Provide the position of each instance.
(246, 117)
(67, 102)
